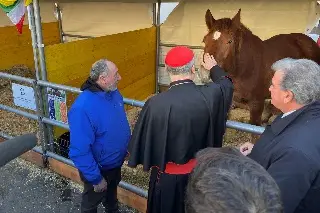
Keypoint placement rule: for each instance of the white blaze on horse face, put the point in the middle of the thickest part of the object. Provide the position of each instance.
(216, 35)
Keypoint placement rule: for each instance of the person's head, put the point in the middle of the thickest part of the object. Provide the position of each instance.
(179, 63)
(225, 181)
(105, 74)
(296, 83)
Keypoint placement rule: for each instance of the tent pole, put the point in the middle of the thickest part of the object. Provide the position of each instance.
(58, 11)
(33, 38)
(156, 20)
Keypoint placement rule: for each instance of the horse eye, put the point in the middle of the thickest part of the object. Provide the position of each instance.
(230, 41)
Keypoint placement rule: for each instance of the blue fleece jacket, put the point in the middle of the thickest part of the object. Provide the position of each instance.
(99, 133)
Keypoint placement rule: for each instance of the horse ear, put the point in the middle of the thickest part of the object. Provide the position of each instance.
(209, 19)
(236, 19)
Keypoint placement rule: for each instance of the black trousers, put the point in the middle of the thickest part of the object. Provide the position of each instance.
(91, 199)
(166, 192)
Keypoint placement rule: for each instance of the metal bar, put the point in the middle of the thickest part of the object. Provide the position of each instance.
(77, 90)
(58, 11)
(59, 86)
(55, 123)
(16, 78)
(154, 14)
(38, 150)
(40, 115)
(19, 112)
(76, 36)
(5, 136)
(245, 127)
(60, 158)
(34, 39)
(48, 129)
(40, 39)
(174, 45)
(122, 184)
(157, 45)
(133, 102)
(139, 191)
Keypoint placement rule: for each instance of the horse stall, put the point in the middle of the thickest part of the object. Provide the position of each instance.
(77, 33)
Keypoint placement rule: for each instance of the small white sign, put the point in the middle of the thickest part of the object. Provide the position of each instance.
(23, 96)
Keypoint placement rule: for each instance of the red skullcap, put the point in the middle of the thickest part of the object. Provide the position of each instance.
(179, 56)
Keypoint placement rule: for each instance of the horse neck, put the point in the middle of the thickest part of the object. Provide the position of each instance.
(248, 54)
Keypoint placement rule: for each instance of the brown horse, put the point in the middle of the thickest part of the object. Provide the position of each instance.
(248, 59)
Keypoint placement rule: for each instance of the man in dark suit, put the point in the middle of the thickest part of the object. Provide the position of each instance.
(289, 148)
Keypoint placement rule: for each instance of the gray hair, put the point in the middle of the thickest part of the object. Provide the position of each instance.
(224, 180)
(98, 68)
(301, 77)
(183, 70)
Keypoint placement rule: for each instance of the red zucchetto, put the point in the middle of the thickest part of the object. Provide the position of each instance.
(179, 56)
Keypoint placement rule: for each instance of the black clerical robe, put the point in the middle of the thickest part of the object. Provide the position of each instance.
(174, 125)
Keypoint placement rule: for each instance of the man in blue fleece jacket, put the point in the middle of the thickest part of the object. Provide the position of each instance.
(99, 135)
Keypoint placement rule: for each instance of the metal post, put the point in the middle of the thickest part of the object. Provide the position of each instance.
(40, 39)
(58, 11)
(48, 130)
(40, 115)
(34, 38)
(156, 20)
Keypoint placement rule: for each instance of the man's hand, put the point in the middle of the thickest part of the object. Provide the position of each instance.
(102, 186)
(246, 148)
(208, 61)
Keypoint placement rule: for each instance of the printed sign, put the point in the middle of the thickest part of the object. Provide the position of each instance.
(57, 103)
(23, 96)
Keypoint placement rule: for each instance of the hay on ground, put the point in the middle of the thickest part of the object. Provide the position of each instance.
(11, 123)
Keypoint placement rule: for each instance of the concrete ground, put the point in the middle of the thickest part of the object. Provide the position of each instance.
(26, 188)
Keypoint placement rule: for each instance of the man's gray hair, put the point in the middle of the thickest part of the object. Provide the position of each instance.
(301, 77)
(98, 68)
(183, 70)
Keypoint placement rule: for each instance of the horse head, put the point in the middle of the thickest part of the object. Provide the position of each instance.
(223, 39)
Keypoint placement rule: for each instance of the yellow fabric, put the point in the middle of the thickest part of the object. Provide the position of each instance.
(7, 3)
(27, 2)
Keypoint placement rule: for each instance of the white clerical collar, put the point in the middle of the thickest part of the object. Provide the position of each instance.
(287, 113)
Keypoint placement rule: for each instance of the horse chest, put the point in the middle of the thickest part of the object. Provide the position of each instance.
(241, 91)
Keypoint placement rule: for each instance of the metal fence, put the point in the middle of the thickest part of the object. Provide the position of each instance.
(43, 150)
(40, 84)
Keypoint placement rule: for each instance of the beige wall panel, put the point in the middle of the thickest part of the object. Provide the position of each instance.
(105, 18)
(186, 24)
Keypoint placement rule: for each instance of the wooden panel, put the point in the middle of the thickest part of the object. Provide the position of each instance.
(133, 52)
(132, 200)
(126, 197)
(17, 49)
(33, 157)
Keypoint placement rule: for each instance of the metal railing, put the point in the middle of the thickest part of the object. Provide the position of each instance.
(45, 120)
(37, 85)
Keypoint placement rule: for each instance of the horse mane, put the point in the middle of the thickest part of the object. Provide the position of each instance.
(226, 24)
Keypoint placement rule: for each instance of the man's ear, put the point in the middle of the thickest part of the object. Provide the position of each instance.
(289, 96)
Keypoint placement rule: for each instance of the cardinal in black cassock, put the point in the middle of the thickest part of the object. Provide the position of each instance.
(174, 125)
